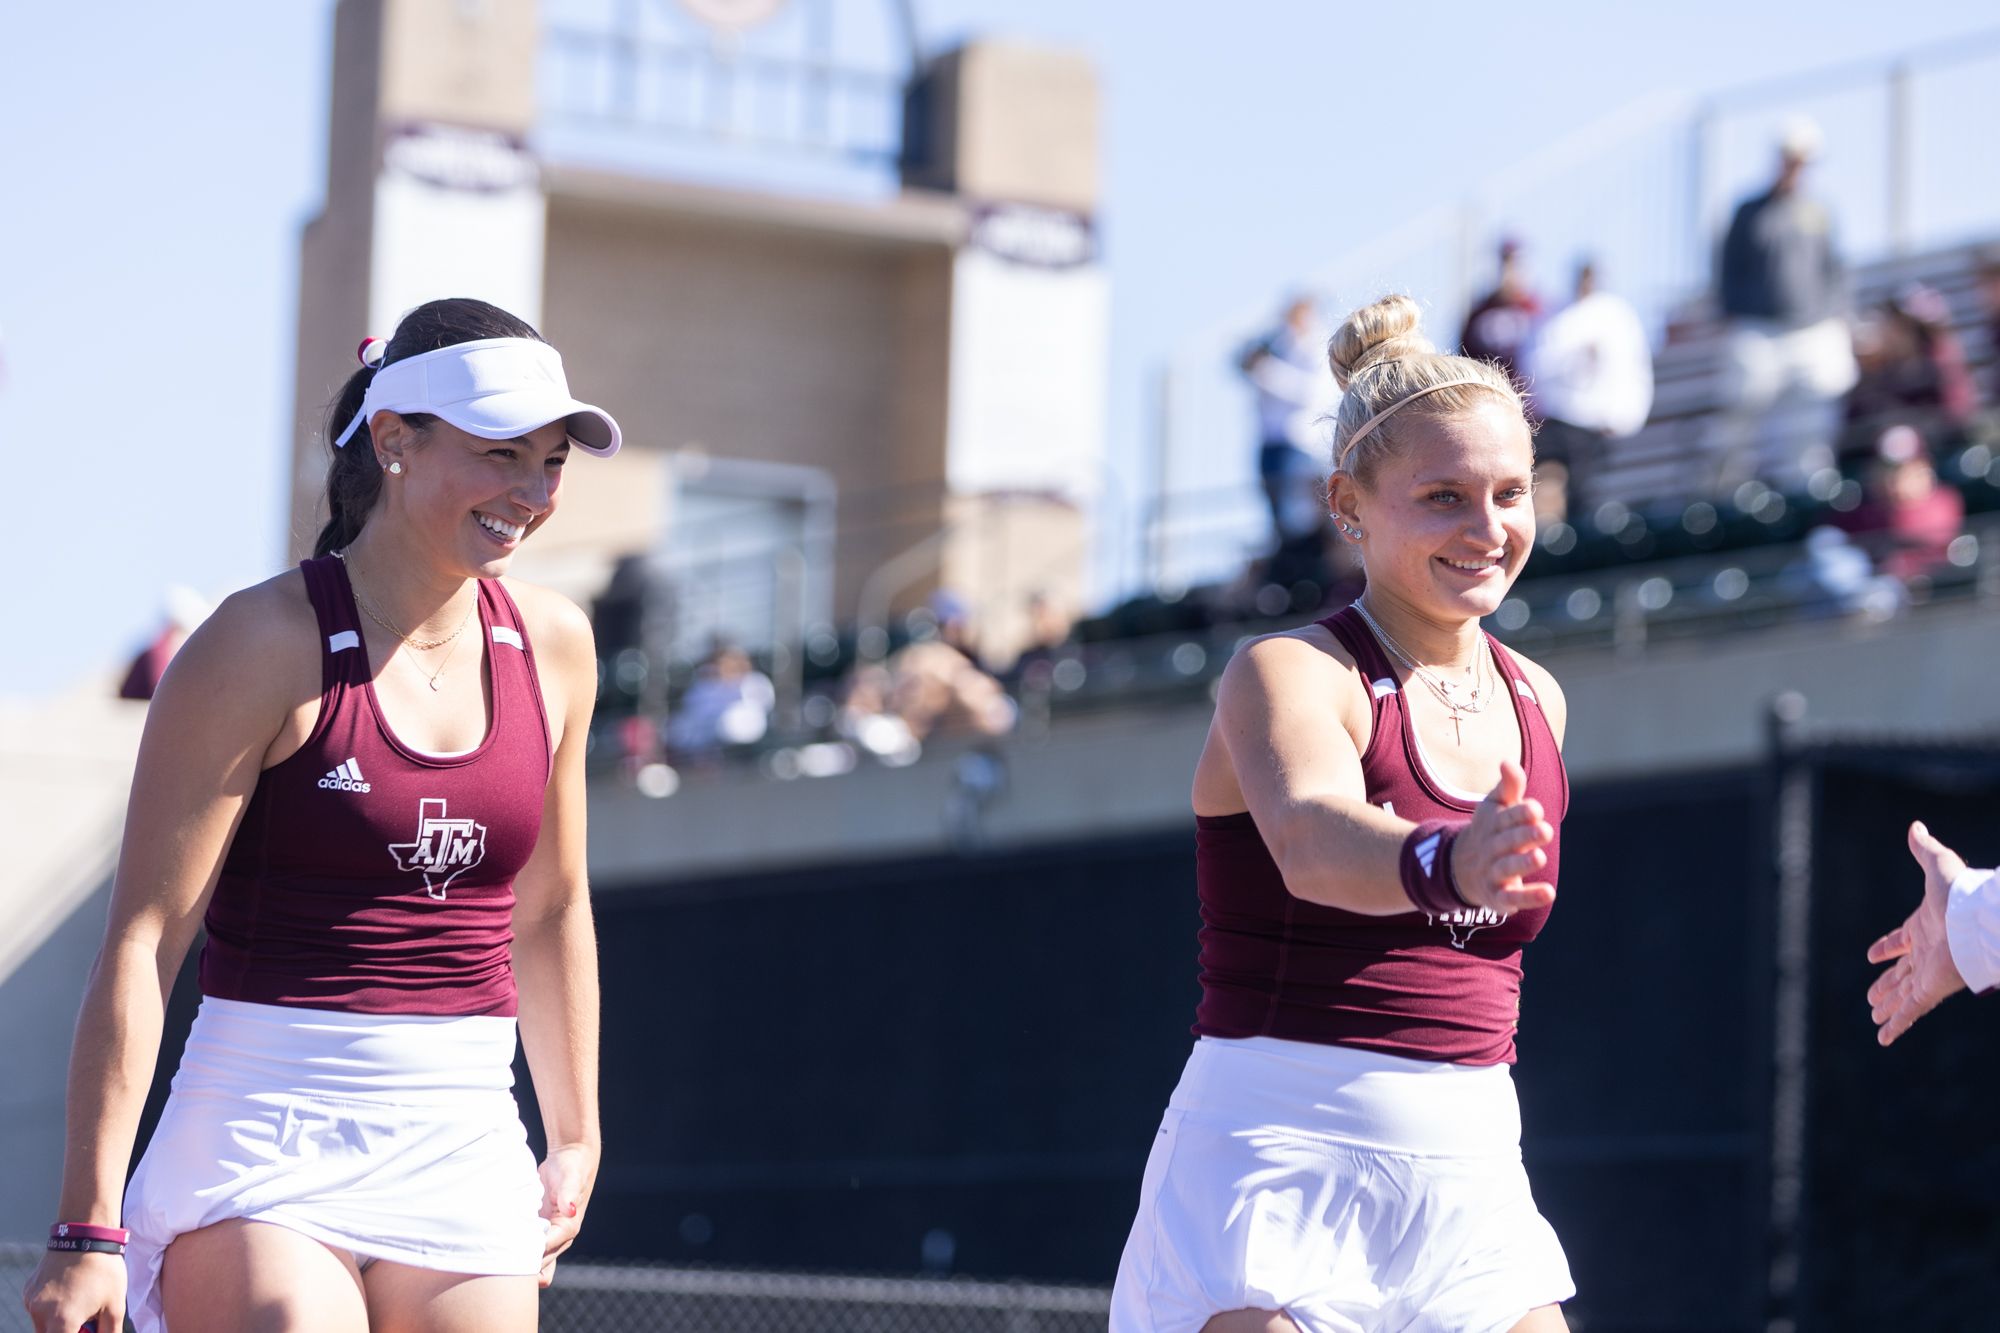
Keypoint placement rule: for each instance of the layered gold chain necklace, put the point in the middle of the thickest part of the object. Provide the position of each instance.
(410, 645)
(1478, 691)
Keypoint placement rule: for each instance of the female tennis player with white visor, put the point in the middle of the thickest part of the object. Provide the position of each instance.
(1375, 841)
(364, 777)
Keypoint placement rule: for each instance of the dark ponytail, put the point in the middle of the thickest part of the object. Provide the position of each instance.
(354, 477)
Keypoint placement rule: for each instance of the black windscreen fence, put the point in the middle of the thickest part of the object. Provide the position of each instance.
(946, 1065)
(960, 1064)
(1899, 1216)
(1643, 1045)
(955, 1067)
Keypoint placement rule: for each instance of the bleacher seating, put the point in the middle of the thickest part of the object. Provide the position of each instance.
(1667, 459)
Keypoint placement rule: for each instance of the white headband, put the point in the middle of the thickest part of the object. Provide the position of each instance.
(497, 389)
(1376, 420)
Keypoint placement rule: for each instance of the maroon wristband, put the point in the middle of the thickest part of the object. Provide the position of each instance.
(1426, 868)
(89, 1231)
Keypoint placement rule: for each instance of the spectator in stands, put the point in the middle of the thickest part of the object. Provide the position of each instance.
(935, 688)
(938, 686)
(1287, 369)
(1913, 373)
(1909, 518)
(1989, 293)
(1986, 423)
(1049, 628)
(867, 719)
(186, 609)
(932, 687)
(1783, 291)
(1833, 576)
(1501, 323)
(729, 703)
(1590, 371)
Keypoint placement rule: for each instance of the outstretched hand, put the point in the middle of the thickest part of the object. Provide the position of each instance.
(1502, 845)
(1924, 974)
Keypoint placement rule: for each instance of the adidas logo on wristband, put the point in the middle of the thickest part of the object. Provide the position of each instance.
(345, 778)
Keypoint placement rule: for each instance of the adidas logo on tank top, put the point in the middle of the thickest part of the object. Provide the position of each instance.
(345, 778)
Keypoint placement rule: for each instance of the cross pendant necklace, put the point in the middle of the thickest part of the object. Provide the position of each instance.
(1479, 685)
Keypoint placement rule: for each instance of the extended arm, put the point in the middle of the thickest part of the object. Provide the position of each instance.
(1951, 939)
(208, 729)
(1285, 716)
(555, 946)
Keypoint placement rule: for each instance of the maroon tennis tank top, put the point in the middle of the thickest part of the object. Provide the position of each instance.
(1423, 987)
(370, 877)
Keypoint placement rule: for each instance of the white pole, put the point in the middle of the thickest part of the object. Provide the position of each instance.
(1901, 144)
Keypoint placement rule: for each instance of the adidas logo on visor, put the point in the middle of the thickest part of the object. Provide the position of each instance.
(345, 778)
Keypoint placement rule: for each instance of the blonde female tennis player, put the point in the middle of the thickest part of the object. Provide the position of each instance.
(1376, 840)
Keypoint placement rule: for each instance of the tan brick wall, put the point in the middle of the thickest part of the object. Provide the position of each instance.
(770, 343)
(333, 259)
(465, 62)
(461, 62)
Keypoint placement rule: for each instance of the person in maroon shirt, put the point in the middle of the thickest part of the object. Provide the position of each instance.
(1376, 813)
(1502, 321)
(382, 830)
(1910, 518)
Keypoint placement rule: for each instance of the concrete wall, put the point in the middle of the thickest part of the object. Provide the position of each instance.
(1125, 772)
(460, 63)
(65, 769)
(1011, 121)
(395, 62)
(749, 329)
(40, 1000)
(1676, 707)
(333, 259)
(1013, 548)
(1701, 703)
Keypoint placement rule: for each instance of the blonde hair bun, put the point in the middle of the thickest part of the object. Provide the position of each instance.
(1385, 331)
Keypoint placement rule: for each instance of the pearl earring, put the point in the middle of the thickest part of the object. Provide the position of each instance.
(395, 468)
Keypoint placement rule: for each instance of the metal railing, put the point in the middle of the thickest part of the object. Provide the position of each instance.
(796, 85)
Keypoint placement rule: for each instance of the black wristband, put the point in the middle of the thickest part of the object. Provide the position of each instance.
(79, 1245)
(1426, 868)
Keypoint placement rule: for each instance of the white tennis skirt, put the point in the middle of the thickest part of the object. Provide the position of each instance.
(388, 1135)
(1359, 1193)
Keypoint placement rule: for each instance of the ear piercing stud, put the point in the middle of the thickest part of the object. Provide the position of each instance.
(396, 468)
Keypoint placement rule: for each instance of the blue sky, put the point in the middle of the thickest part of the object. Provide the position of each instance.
(158, 162)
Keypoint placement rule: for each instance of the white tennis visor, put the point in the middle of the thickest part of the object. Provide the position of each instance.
(497, 389)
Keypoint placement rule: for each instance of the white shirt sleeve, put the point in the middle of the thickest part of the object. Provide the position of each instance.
(1972, 926)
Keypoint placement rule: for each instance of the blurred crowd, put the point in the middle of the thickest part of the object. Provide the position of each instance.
(930, 684)
(1865, 427)
(1866, 419)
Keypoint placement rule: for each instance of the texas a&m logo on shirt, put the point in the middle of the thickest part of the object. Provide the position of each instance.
(444, 849)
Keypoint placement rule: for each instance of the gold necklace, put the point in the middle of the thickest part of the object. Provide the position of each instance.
(1478, 688)
(436, 679)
